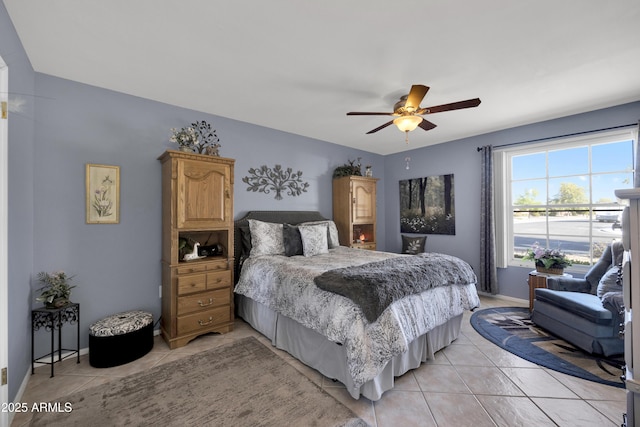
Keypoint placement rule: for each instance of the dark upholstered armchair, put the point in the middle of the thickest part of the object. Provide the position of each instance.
(585, 312)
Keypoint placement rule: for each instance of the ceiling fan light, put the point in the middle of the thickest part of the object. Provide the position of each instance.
(407, 123)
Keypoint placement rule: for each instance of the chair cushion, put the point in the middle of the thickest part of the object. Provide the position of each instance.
(617, 252)
(609, 282)
(584, 305)
(596, 272)
(564, 283)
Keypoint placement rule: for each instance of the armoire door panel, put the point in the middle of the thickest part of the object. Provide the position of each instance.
(200, 186)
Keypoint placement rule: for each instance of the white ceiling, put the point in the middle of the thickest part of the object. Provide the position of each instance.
(300, 65)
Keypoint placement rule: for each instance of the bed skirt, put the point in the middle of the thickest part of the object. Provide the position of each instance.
(329, 358)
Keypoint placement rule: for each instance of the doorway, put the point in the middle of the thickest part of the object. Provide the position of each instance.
(4, 282)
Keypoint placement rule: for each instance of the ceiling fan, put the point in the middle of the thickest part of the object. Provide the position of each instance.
(409, 113)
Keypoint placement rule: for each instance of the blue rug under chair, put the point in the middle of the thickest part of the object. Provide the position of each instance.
(511, 328)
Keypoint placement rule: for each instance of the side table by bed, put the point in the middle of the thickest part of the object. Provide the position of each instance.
(53, 319)
(538, 280)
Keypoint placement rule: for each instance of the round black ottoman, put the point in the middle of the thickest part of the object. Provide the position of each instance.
(120, 339)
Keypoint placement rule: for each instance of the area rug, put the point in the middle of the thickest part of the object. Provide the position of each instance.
(239, 384)
(512, 329)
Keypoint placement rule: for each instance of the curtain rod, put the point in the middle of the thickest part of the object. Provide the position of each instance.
(562, 136)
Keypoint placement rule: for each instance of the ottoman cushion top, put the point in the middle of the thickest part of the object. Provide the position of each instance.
(121, 323)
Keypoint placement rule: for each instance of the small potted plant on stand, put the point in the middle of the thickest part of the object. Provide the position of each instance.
(56, 289)
(548, 261)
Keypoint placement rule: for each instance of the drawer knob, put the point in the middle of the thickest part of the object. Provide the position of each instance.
(204, 323)
(201, 304)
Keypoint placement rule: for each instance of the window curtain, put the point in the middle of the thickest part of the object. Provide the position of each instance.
(488, 276)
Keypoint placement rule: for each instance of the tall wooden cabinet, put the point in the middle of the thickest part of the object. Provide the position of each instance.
(197, 206)
(354, 211)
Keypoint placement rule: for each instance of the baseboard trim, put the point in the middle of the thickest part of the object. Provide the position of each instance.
(504, 297)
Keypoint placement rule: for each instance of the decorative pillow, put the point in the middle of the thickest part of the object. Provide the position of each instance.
(333, 239)
(292, 240)
(617, 252)
(609, 282)
(413, 245)
(266, 238)
(314, 239)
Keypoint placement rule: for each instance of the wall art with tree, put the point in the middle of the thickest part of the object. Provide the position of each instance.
(427, 205)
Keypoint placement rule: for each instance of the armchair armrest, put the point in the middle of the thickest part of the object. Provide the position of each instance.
(561, 283)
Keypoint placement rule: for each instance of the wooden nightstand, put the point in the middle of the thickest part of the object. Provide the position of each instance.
(539, 280)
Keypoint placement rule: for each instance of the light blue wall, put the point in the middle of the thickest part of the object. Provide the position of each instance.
(462, 159)
(117, 266)
(21, 181)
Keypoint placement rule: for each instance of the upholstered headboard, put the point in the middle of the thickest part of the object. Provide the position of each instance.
(283, 217)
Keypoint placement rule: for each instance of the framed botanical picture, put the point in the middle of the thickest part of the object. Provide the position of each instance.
(103, 194)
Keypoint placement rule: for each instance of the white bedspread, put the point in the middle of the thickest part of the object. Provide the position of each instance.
(285, 284)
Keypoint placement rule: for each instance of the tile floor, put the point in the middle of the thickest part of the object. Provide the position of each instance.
(470, 383)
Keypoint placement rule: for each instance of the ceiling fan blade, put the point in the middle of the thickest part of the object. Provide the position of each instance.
(448, 107)
(426, 124)
(415, 97)
(380, 127)
(355, 113)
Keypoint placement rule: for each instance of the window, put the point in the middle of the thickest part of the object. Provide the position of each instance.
(560, 194)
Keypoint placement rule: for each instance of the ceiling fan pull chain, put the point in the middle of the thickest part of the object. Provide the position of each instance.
(406, 136)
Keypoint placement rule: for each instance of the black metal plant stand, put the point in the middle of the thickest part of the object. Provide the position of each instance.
(52, 319)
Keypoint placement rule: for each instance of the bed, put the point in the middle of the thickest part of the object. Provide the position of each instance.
(364, 348)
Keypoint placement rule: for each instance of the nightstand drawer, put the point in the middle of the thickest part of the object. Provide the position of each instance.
(203, 301)
(222, 264)
(191, 268)
(203, 320)
(192, 283)
(202, 266)
(219, 279)
(366, 245)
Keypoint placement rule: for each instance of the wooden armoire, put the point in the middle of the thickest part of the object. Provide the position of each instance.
(354, 211)
(197, 206)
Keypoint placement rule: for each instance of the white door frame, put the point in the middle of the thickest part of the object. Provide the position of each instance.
(4, 280)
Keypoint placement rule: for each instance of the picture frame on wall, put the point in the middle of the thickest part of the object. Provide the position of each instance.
(103, 194)
(427, 205)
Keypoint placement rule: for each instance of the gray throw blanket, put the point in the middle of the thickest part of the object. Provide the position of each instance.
(376, 285)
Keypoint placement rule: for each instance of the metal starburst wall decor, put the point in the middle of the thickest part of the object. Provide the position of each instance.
(265, 180)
